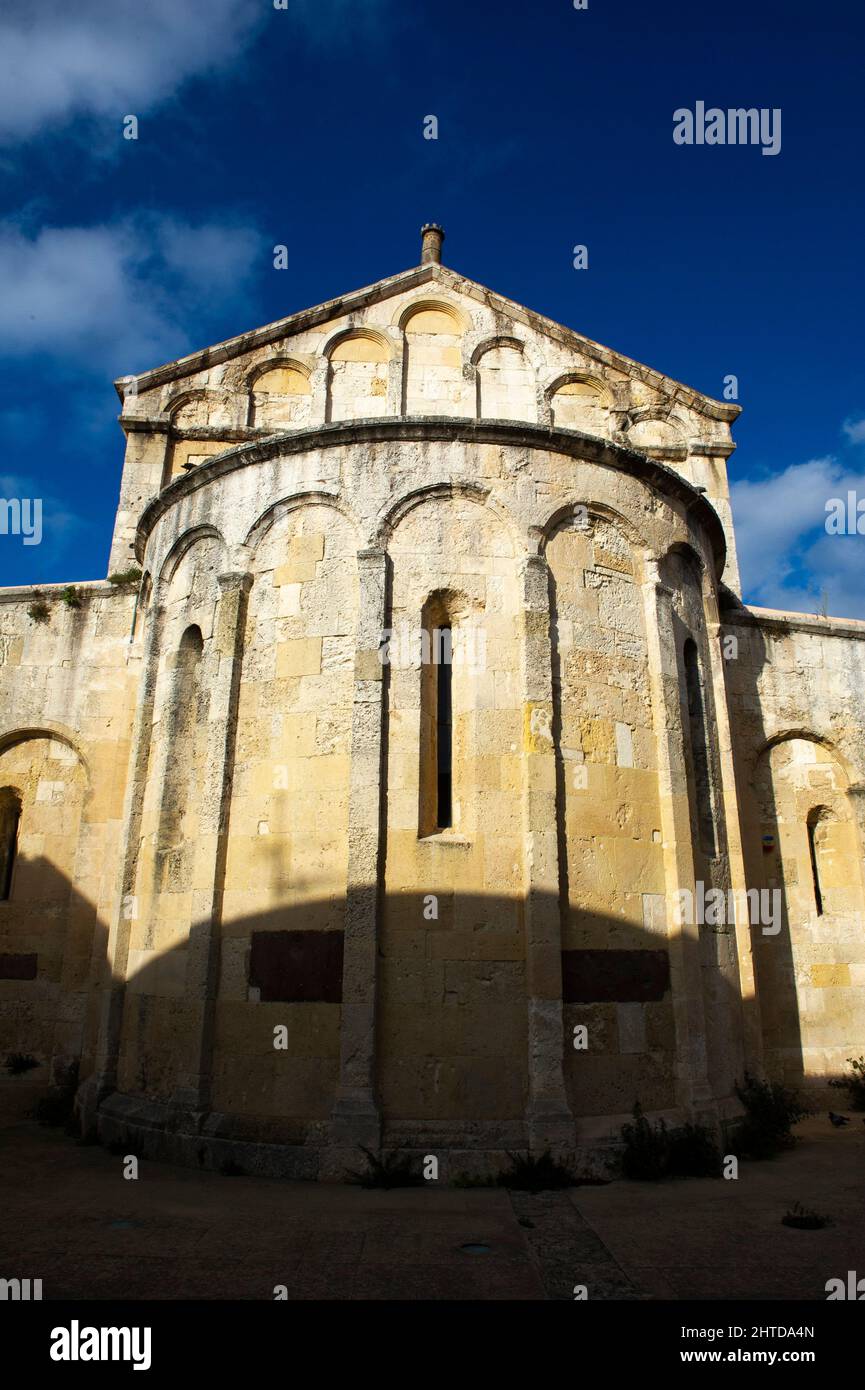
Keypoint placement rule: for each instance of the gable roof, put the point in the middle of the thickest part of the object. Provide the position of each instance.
(397, 284)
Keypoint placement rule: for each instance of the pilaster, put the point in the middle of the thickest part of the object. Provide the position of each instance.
(356, 1115)
(214, 800)
(550, 1122)
(693, 1092)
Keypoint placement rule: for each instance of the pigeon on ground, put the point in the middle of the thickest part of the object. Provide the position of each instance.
(838, 1120)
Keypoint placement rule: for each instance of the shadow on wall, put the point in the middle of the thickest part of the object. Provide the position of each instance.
(52, 953)
(251, 1075)
(451, 1019)
(238, 1036)
(802, 841)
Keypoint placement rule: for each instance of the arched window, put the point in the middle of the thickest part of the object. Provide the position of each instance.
(815, 839)
(436, 721)
(699, 749)
(442, 658)
(10, 816)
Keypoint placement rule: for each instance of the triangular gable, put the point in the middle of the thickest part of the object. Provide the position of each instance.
(398, 284)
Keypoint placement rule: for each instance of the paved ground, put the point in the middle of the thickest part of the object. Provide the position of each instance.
(67, 1216)
(704, 1239)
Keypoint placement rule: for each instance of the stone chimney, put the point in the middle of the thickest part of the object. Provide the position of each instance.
(432, 237)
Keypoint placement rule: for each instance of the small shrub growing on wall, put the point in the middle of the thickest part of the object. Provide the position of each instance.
(693, 1153)
(393, 1170)
(39, 612)
(130, 576)
(646, 1148)
(71, 596)
(19, 1062)
(653, 1152)
(854, 1084)
(771, 1110)
(530, 1174)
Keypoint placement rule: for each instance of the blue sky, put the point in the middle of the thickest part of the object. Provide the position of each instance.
(304, 126)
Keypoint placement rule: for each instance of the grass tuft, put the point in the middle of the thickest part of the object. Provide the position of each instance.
(19, 1062)
(770, 1112)
(389, 1171)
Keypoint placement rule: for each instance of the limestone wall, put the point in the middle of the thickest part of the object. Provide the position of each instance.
(226, 886)
(287, 850)
(612, 823)
(798, 705)
(551, 879)
(238, 894)
(67, 686)
(453, 1016)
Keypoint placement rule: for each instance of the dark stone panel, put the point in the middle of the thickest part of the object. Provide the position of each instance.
(22, 967)
(614, 977)
(297, 967)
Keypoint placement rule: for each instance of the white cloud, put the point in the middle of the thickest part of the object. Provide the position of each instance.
(206, 255)
(786, 557)
(110, 57)
(117, 295)
(855, 430)
(838, 566)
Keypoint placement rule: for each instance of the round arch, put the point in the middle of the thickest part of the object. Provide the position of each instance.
(272, 364)
(603, 511)
(389, 519)
(579, 378)
(180, 549)
(361, 331)
(500, 341)
(51, 729)
(286, 505)
(432, 304)
(182, 398)
(852, 775)
(677, 447)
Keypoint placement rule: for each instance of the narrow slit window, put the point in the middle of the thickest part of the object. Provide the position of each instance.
(444, 739)
(815, 866)
(10, 816)
(699, 747)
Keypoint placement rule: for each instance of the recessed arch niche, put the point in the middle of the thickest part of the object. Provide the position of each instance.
(506, 383)
(805, 848)
(280, 396)
(433, 379)
(357, 377)
(580, 403)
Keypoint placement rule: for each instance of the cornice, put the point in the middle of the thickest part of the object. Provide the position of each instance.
(384, 430)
